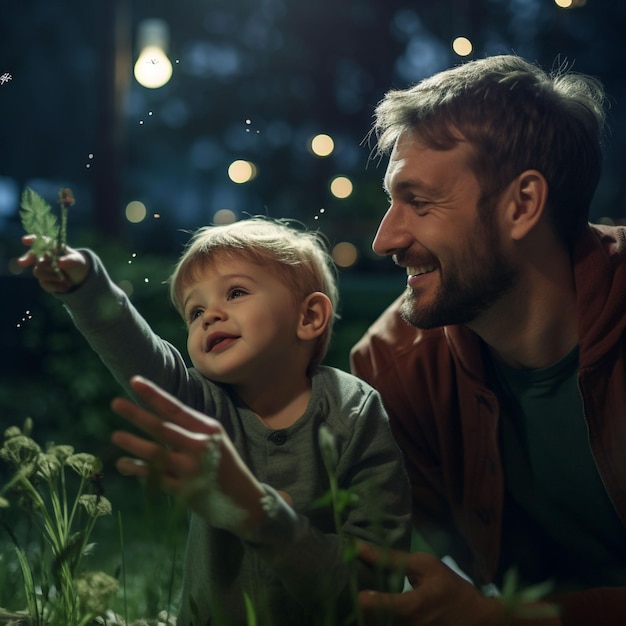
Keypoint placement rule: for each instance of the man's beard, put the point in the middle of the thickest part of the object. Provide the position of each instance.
(472, 283)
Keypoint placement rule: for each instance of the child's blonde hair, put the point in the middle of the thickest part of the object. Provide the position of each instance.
(299, 257)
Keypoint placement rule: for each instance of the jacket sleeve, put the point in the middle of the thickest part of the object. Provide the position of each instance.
(600, 607)
(122, 338)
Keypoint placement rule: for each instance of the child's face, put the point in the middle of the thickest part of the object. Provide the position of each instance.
(241, 320)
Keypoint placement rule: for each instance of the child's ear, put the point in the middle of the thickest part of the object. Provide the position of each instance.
(316, 313)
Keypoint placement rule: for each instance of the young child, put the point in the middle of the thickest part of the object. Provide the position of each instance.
(258, 298)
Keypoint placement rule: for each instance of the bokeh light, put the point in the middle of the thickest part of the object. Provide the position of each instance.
(136, 211)
(224, 216)
(322, 145)
(241, 171)
(341, 187)
(126, 286)
(462, 46)
(345, 254)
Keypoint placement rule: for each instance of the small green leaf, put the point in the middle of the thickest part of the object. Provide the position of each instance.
(323, 501)
(39, 220)
(250, 614)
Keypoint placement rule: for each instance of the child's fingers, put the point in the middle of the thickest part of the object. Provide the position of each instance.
(140, 417)
(172, 410)
(141, 448)
(132, 467)
(29, 240)
(51, 278)
(172, 469)
(27, 259)
(136, 467)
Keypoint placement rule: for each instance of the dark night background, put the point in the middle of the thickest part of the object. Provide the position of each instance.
(252, 80)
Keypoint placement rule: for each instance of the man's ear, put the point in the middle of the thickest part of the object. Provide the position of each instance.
(528, 196)
(316, 313)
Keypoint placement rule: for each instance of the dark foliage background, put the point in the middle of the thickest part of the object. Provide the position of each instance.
(252, 80)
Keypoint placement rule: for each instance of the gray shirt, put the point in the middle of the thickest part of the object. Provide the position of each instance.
(294, 571)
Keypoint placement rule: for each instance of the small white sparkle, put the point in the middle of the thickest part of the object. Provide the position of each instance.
(27, 316)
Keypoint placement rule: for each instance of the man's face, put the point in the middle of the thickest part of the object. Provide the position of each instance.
(455, 261)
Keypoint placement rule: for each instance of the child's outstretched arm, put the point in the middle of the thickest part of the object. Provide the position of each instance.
(192, 457)
(71, 270)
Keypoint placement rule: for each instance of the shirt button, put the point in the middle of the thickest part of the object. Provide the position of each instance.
(278, 437)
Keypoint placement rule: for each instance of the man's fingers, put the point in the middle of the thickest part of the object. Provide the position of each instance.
(375, 606)
(395, 560)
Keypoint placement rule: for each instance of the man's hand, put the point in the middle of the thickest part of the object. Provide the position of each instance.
(191, 456)
(439, 596)
(64, 274)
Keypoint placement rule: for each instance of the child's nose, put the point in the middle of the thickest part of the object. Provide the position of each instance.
(213, 314)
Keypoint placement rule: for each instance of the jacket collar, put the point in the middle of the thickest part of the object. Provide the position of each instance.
(599, 262)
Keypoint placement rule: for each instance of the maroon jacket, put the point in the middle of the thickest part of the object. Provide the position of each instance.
(445, 418)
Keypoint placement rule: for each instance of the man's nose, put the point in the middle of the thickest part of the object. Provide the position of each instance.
(393, 234)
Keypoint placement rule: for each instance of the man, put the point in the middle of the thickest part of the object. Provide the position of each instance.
(503, 364)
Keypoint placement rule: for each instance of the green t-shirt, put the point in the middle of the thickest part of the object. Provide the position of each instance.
(558, 521)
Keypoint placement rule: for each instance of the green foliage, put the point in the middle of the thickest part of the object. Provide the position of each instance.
(342, 500)
(525, 602)
(57, 592)
(39, 220)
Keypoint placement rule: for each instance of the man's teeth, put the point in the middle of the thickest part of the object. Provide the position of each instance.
(416, 271)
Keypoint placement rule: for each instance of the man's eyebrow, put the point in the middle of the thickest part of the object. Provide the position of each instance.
(408, 185)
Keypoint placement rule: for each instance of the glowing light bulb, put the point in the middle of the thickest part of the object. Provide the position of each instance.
(153, 69)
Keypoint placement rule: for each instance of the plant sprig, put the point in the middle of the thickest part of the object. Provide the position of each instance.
(38, 219)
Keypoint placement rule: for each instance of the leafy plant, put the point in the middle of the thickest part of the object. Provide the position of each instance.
(526, 602)
(39, 220)
(58, 592)
(341, 501)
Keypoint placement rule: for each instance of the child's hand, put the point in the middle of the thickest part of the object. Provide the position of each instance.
(65, 273)
(193, 459)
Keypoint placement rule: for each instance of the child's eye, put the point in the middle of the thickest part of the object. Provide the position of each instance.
(194, 314)
(236, 292)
